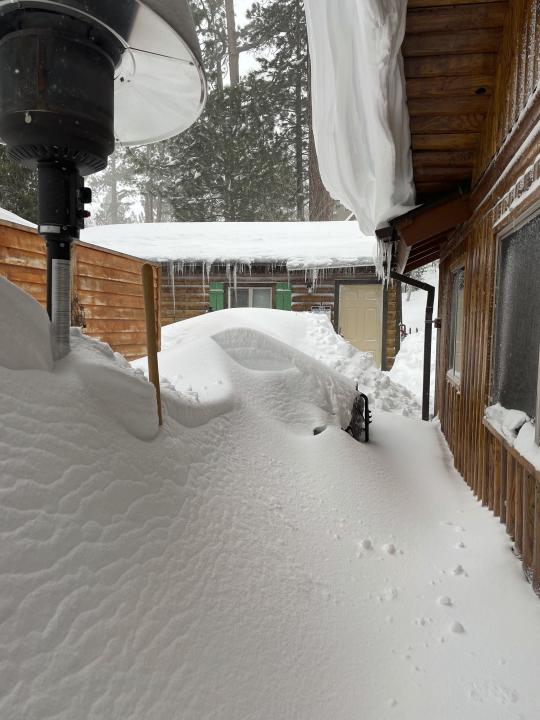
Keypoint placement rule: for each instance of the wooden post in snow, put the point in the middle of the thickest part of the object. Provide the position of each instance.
(151, 332)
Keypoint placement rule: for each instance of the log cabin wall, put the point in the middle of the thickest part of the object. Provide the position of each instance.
(506, 184)
(107, 297)
(185, 293)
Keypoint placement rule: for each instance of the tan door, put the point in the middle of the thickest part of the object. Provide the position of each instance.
(360, 317)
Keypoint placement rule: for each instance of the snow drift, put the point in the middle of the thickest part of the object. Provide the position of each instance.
(310, 333)
(233, 565)
(360, 117)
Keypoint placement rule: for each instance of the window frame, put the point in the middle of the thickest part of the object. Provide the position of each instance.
(509, 226)
(456, 292)
(250, 289)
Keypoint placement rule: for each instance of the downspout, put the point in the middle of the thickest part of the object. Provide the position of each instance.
(428, 333)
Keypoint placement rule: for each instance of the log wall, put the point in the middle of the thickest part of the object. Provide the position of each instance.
(506, 185)
(184, 294)
(107, 297)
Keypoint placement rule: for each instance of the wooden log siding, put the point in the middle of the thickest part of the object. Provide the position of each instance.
(188, 295)
(507, 184)
(106, 287)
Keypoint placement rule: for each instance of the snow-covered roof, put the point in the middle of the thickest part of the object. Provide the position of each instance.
(7, 216)
(297, 244)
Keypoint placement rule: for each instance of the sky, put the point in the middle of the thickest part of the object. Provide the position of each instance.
(247, 60)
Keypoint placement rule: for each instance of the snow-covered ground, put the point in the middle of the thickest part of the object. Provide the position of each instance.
(234, 565)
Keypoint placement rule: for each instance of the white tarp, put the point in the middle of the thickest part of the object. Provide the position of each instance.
(360, 116)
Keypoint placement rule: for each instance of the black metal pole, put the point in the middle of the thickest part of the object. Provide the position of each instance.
(61, 214)
(428, 334)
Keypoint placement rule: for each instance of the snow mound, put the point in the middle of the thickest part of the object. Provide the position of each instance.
(24, 329)
(123, 392)
(237, 565)
(312, 335)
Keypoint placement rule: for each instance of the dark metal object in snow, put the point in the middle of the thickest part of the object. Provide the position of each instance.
(360, 418)
(430, 289)
(74, 76)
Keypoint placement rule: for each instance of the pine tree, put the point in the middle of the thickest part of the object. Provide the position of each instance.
(18, 188)
(279, 28)
(233, 164)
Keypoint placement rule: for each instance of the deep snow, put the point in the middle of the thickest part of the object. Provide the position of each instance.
(312, 334)
(300, 245)
(236, 566)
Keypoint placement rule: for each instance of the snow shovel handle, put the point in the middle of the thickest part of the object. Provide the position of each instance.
(151, 333)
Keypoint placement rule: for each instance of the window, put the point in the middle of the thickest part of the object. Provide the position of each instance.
(455, 350)
(259, 297)
(517, 320)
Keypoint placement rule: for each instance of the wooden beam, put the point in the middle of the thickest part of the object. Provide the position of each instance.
(444, 158)
(458, 85)
(427, 222)
(432, 124)
(445, 141)
(452, 18)
(449, 105)
(444, 173)
(441, 189)
(474, 63)
(452, 43)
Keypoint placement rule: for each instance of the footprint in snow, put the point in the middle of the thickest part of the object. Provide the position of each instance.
(459, 570)
(445, 601)
(460, 545)
(457, 628)
(389, 549)
(366, 544)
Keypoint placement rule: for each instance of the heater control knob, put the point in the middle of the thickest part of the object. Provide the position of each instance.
(85, 195)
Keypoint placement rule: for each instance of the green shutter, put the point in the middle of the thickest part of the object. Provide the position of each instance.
(217, 296)
(283, 296)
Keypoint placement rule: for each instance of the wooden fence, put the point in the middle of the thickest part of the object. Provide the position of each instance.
(107, 294)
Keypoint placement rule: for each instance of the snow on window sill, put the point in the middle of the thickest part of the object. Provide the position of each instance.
(517, 430)
(454, 377)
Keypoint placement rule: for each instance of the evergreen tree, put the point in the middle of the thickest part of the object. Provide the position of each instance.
(18, 188)
(233, 164)
(114, 188)
(278, 29)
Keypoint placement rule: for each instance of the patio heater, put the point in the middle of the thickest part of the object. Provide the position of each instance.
(77, 76)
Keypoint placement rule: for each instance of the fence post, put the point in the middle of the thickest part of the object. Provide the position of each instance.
(151, 332)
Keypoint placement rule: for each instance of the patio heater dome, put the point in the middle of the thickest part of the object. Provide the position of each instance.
(76, 76)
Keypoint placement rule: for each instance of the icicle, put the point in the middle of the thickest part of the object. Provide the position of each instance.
(172, 273)
(235, 278)
(383, 260)
(228, 272)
